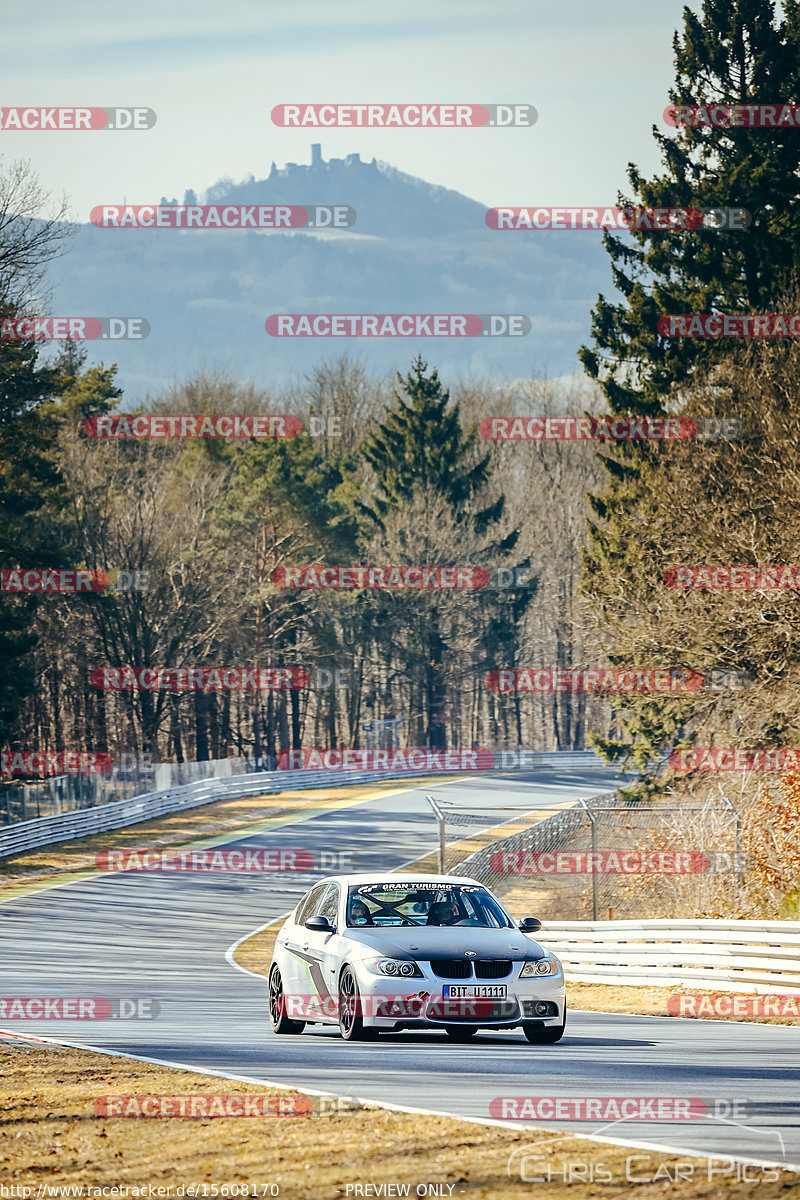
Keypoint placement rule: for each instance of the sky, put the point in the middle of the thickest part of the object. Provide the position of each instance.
(597, 71)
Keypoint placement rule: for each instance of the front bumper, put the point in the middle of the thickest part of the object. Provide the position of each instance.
(388, 1002)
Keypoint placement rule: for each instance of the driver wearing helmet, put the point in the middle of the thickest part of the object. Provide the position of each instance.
(444, 912)
(359, 913)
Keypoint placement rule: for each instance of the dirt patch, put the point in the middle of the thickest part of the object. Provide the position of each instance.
(53, 1140)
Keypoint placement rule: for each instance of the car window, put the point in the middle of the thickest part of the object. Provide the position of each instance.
(425, 904)
(329, 907)
(307, 908)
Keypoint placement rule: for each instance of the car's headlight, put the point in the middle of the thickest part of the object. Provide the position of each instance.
(401, 967)
(542, 966)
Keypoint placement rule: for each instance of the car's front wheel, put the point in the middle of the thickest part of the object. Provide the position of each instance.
(460, 1033)
(351, 1021)
(544, 1035)
(277, 1006)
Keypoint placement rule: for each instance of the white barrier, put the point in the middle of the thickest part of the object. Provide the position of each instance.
(63, 827)
(739, 956)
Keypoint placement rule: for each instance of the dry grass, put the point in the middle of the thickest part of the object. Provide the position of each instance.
(652, 1001)
(51, 1135)
(255, 954)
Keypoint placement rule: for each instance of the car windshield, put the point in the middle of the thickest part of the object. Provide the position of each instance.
(383, 904)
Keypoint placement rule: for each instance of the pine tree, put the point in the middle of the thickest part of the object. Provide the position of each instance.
(735, 52)
(30, 496)
(420, 454)
(420, 447)
(293, 506)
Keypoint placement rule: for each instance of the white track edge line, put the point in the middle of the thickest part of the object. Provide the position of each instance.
(385, 1104)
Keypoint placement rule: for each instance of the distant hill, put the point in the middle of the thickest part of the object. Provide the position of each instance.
(415, 247)
(388, 202)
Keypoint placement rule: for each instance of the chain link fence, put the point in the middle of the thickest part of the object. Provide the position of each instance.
(598, 858)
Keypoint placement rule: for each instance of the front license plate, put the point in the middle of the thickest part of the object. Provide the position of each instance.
(496, 991)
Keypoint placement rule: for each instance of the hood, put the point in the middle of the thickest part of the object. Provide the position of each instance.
(438, 941)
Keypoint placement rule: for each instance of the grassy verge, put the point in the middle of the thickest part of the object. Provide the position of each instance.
(52, 1138)
(652, 1001)
(204, 826)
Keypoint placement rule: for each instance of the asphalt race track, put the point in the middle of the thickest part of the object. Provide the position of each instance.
(164, 936)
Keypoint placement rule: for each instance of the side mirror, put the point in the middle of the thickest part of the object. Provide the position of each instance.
(527, 925)
(321, 924)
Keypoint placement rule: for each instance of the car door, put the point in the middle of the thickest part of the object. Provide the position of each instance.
(319, 952)
(290, 942)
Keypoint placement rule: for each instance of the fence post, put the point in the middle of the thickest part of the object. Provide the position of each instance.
(440, 822)
(590, 815)
(738, 825)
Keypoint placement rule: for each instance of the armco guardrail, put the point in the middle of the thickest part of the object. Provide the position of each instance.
(44, 831)
(738, 956)
(538, 759)
(574, 758)
(62, 827)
